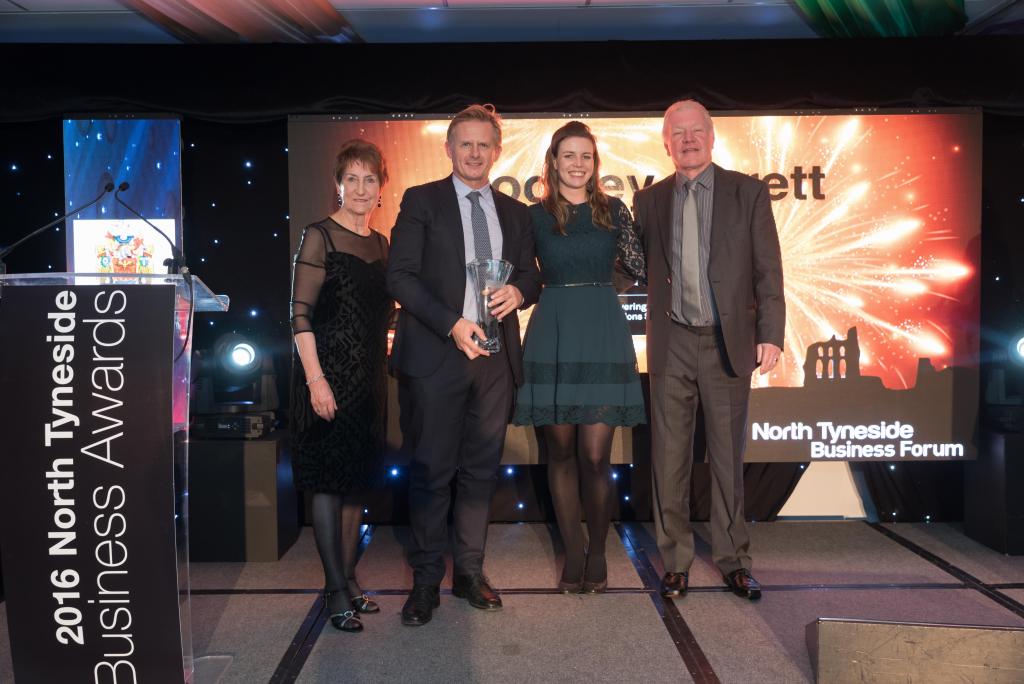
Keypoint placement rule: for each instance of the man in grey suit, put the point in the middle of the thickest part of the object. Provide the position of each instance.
(715, 312)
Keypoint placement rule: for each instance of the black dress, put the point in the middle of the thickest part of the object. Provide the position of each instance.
(340, 295)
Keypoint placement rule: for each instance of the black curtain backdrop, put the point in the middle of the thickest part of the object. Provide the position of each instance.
(234, 101)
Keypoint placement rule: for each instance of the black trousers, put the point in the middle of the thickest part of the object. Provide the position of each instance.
(455, 425)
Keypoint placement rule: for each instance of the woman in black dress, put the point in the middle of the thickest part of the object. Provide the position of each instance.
(581, 379)
(340, 312)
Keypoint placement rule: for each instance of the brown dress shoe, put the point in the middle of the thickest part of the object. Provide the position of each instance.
(674, 584)
(743, 585)
(477, 590)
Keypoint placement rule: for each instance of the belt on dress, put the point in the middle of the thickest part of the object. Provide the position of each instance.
(582, 285)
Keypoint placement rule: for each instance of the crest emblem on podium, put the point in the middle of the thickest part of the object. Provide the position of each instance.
(124, 254)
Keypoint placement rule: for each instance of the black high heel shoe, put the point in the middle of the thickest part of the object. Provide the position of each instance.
(346, 620)
(365, 604)
(595, 586)
(568, 586)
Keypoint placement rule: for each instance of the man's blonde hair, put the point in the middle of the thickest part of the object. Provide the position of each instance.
(478, 112)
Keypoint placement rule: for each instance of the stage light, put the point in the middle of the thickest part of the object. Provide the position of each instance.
(510, 471)
(242, 355)
(253, 313)
(802, 466)
(248, 164)
(216, 241)
(394, 472)
(520, 505)
(892, 467)
(235, 376)
(615, 475)
(1017, 347)
(365, 511)
(626, 498)
(927, 518)
(630, 466)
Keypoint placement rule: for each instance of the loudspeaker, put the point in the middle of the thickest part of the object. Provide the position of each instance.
(993, 505)
(242, 504)
(864, 651)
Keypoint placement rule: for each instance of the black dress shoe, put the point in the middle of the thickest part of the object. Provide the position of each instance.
(743, 585)
(675, 584)
(477, 590)
(419, 607)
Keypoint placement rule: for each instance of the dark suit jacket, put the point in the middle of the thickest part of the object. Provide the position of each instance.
(427, 274)
(744, 267)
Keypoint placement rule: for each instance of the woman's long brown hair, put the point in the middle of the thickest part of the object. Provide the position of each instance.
(553, 202)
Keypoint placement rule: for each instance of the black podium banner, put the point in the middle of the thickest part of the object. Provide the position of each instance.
(87, 499)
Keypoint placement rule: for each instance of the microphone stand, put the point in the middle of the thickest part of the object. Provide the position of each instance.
(10, 248)
(176, 264)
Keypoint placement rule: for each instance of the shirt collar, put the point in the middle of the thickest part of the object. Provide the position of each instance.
(705, 179)
(461, 189)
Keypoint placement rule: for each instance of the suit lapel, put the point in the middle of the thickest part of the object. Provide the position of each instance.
(451, 217)
(723, 216)
(503, 220)
(663, 211)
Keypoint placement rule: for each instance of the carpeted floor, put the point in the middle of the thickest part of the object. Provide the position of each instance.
(263, 622)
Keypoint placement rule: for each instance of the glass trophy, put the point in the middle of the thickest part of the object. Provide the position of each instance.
(488, 275)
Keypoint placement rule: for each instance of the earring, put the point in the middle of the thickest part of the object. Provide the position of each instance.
(380, 202)
(341, 199)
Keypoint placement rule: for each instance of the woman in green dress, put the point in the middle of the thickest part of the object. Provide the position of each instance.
(581, 379)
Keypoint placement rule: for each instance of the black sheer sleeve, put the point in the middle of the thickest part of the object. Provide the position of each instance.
(307, 278)
(630, 249)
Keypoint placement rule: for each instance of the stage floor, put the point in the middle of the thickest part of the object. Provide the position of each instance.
(264, 622)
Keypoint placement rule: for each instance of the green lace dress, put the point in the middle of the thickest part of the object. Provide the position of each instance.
(578, 358)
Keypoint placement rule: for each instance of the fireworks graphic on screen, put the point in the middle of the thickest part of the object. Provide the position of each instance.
(867, 242)
(877, 214)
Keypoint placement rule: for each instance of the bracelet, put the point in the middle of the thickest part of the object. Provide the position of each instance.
(316, 379)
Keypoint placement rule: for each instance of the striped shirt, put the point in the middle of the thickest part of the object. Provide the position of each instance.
(704, 186)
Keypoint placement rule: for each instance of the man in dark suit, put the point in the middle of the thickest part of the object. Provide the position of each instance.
(715, 311)
(456, 398)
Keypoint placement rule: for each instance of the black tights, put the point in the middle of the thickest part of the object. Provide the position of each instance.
(589, 446)
(336, 521)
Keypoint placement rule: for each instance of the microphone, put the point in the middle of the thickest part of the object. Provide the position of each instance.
(176, 264)
(7, 250)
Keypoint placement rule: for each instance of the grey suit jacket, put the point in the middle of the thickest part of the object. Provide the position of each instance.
(744, 267)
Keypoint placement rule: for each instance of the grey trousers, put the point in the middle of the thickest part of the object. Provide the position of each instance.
(697, 374)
